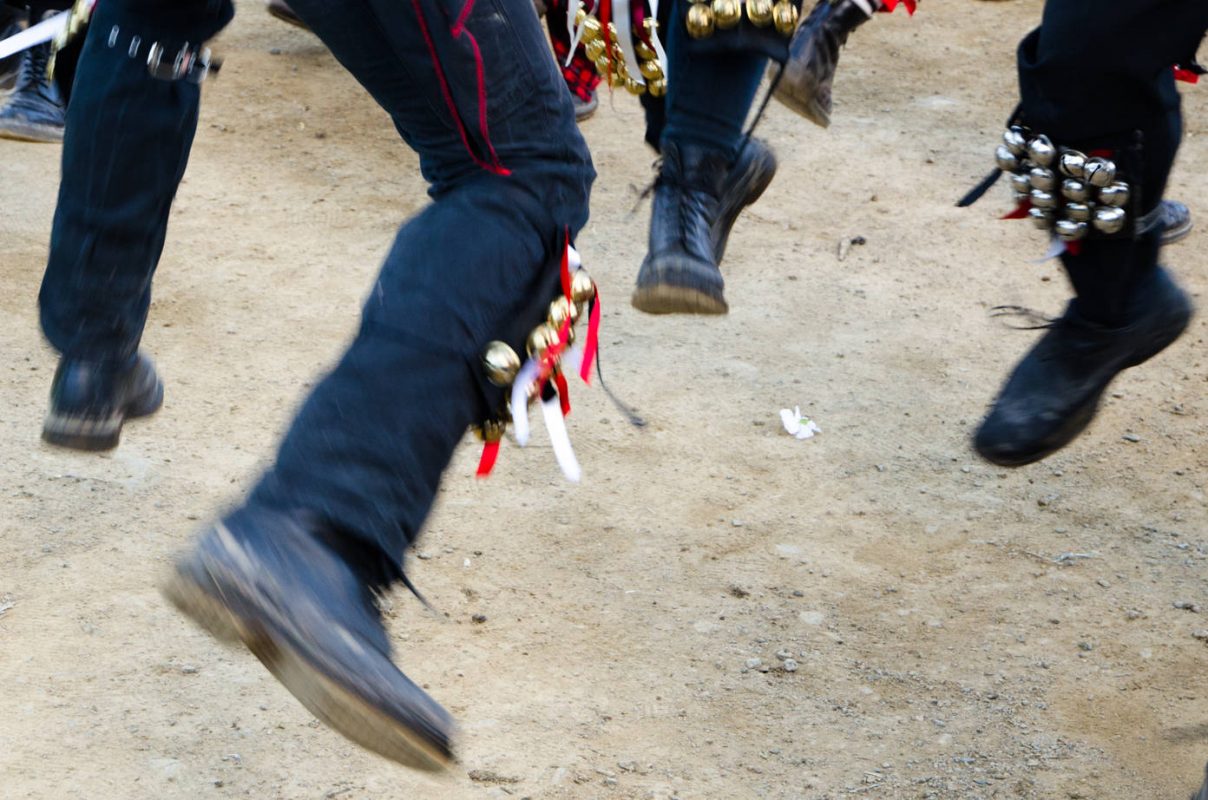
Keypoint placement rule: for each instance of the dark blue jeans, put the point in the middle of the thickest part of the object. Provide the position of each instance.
(708, 94)
(367, 450)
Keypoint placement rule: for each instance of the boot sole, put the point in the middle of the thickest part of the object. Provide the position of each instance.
(1174, 235)
(42, 134)
(94, 435)
(288, 19)
(336, 705)
(669, 299)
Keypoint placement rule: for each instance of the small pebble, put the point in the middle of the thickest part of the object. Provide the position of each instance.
(479, 618)
(1186, 605)
(1132, 437)
(791, 666)
(1201, 634)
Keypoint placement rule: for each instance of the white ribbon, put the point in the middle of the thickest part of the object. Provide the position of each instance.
(44, 31)
(554, 423)
(520, 387)
(624, 22)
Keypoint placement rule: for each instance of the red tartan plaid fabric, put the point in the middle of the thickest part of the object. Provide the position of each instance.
(580, 75)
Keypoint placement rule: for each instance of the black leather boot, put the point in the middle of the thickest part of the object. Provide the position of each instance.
(1054, 392)
(746, 181)
(35, 110)
(281, 10)
(1202, 794)
(809, 73)
(697, 198)
(302, 600)
(90, 402)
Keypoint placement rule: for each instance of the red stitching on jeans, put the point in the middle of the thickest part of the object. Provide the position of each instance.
(495, 167)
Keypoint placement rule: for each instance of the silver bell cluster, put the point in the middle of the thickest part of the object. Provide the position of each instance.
(1071, 194)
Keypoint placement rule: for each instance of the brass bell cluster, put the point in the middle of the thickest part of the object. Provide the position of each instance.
(608, 56)
(707, 16)
(1071, 194)
(501, 363)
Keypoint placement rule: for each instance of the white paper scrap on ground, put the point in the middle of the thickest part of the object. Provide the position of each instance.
(797, 425)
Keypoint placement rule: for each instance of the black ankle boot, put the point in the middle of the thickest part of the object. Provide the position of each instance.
(809, 73)
(680, 272)
(745, 182)
(283, 585)
(1054, 392)
(35, 111)
(90, 402)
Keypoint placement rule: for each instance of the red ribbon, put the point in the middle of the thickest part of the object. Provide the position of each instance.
(566, 265)
(1020, 211)
(563, 392)
(1185, 75)
(889, 5)
(593, 339)
(490, 452)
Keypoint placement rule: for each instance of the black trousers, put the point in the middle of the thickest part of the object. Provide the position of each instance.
(509, 173)
(1098, 76)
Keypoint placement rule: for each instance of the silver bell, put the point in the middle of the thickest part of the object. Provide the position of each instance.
(1020, 183)
(1100, 172)
(1075, 190)
(1109, 220)
(1079, 212)
(1042, 178)
(1070, 231)
(1072, 163)
(1041, 151)
(1115, 195)
(1014, 140)
(1005, 159)
(1041, 218)
(1043, 199)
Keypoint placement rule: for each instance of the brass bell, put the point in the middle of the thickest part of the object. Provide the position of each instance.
(580, 17)
(651, 27)
(1072, 163)
(634, 86)
(616, 78)
(645, 51)
(651, 70)
(1070, 231)
(603, 65)
(1043, 199)
(1079, 212)
(1020, 183)
(727, 13)
(582, 287)
(700, 21)
(1005, 159)
(1075, 190)
(1115, 195)
(1109, 220)
(501, 363)
(591, 30)
(491, 430)
(657, 88)
(784, 14)
(612, 32)
(1043, 179)
(760, 12)
(561, 310)
(541, 339)
(1041, 218)
(594, 49)
(616, 53)
(1100, 172)
(1014, 140)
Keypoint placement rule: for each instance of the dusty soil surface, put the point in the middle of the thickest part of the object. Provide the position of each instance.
(958, 630)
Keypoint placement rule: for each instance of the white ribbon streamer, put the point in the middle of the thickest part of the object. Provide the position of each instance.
(44, 31)
(623, 19)
(576, 33)
(554, 423)
(520, 387)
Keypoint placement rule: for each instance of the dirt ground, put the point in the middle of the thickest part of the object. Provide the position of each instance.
(958, 630)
